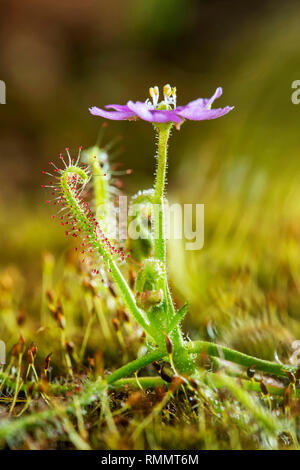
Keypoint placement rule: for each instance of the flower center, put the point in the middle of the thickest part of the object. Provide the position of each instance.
(168, 101)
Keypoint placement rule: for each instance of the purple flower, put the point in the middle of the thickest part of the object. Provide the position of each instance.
(164, 111)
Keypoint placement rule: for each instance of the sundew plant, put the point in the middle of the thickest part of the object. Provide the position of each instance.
(150, 303)
(173, 378)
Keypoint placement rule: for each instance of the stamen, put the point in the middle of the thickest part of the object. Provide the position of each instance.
(174, 96)
(154, 93)
(167, 92)
(170, 95)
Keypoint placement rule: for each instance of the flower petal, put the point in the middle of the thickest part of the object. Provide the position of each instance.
(152, 115)
(195, 113)
(216, 95)
(200, 102)
(122, 112)
(204, 102)
(117, 107)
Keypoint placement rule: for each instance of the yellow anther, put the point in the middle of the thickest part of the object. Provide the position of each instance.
(167, 90)
(153, 92)
(174, 91)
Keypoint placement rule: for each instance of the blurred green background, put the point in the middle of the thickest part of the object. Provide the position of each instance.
(60, 57)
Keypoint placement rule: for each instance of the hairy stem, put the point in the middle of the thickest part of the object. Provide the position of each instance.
(128, 297)
(159, 212)
(87, 226)
(135, 365)
(180, 357)
(211, 349)
(216, 350)
(210, 377)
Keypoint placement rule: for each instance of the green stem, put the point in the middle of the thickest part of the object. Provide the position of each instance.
(251, 386)
(135, 365)
(128, 297)
(156, 381)
(144, 382)
(216, 350)
(78, 210)
(159, 216)
(211, 349)
(180, 357)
